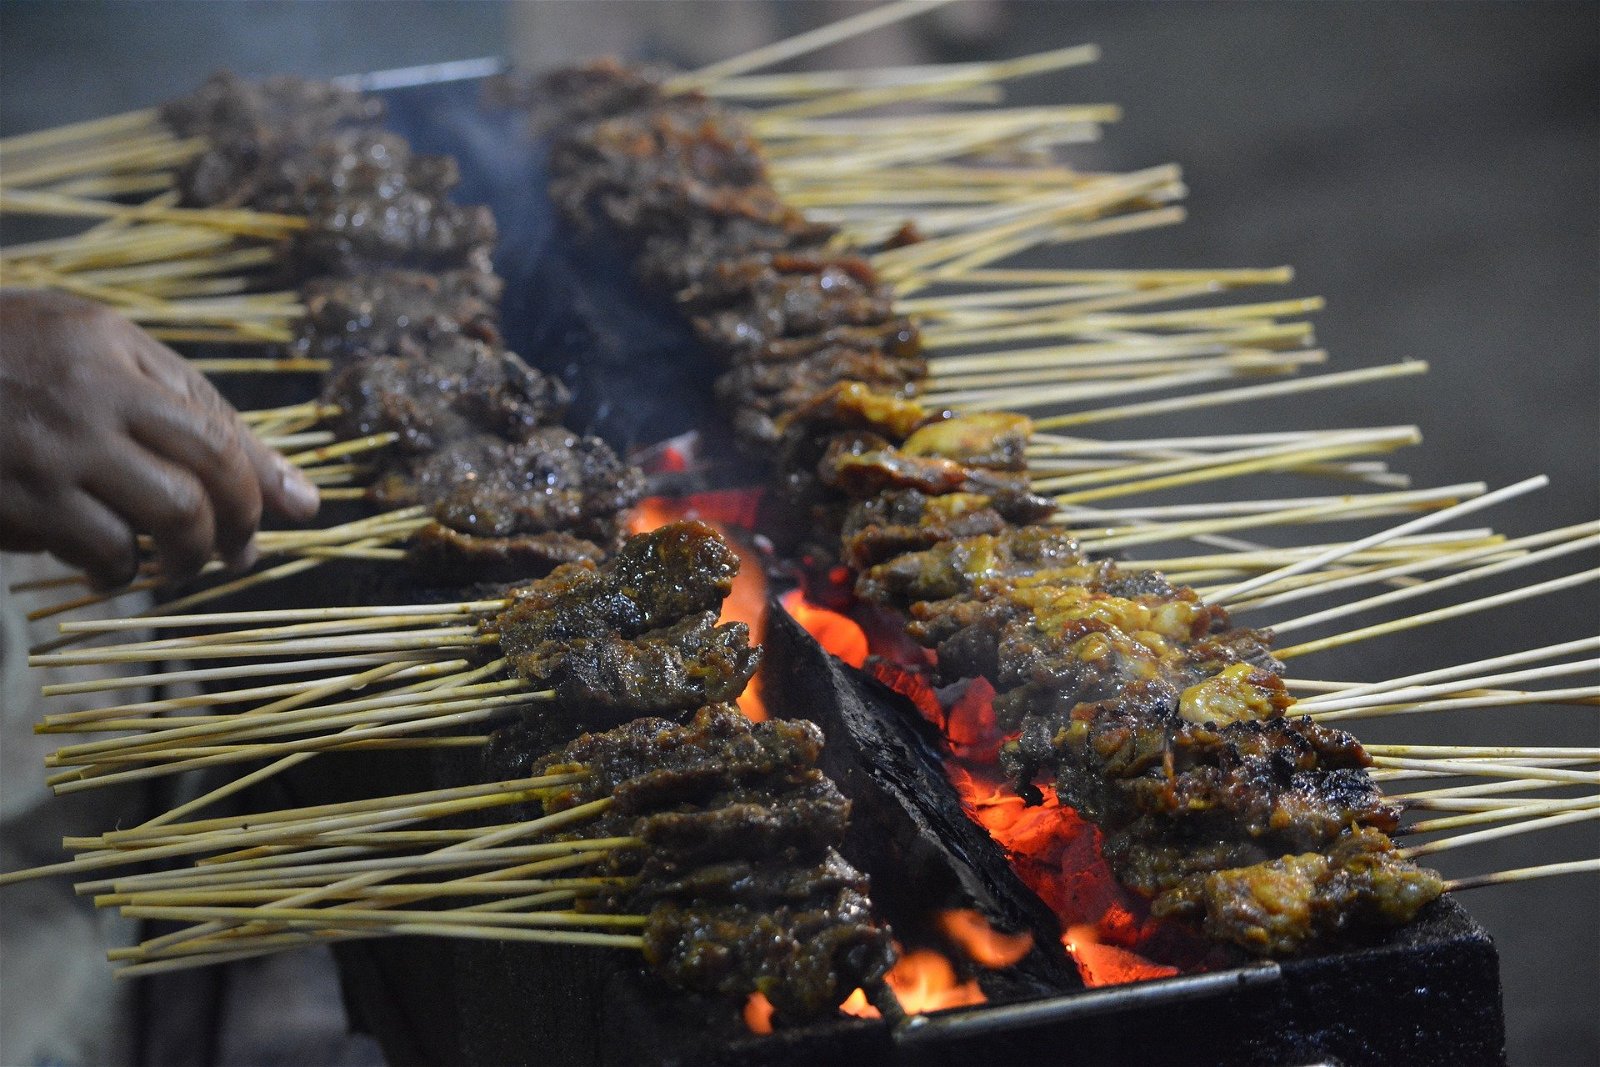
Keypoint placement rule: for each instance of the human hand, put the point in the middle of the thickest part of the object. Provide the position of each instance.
(106, 433)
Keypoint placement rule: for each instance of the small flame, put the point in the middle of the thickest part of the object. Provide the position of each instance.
(834, 632)
(858, 1005)
(925, 981)
(982, 943)
(758, 1014)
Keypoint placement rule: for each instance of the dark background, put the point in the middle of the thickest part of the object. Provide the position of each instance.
(1433, 169)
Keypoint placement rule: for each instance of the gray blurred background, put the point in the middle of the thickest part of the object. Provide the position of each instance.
(1433, 169)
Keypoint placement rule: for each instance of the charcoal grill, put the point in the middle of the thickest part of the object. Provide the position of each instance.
(1425, 994)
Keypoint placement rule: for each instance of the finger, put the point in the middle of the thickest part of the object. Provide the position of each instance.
(284, 489)
(278, 483)
(92, 538)
(208, 444)
(163, 500)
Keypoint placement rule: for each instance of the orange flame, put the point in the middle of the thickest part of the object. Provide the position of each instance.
(980, 941)
(758, 1014)
(834, 632)
(858, 1005)
(925, 981)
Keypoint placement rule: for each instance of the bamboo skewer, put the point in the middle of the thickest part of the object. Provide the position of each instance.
(1423, 523)
(1504, 553)
(1589, 694)
(1231, 396)
(1461, 686)
(1523, 874)
(799, 45)
(1440, 614)
(1546, 822)
(1515, 659)
(1446, 582)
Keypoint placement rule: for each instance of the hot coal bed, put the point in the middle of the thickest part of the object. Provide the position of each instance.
(1426, 993)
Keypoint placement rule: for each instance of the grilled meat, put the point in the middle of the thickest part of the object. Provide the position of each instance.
(451, 389)
(395, 313)
(677, 668)
(804, 960)
(1282, 906)
(736, 865)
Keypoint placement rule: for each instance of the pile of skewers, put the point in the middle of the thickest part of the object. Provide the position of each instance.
(717, 838)
(1156, 717)
(455, 436)
(900, 454)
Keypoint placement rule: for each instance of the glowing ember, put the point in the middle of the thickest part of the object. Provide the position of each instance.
(834, 632)
(1054, 852)
(758, 1014)
(925, 981)
(982, 942)
(1103, 964)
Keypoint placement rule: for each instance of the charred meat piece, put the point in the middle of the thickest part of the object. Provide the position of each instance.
(655, 764)
(896, 339)
(1223, 678)
(596, 89)
(902, 521)
(737, 829)
(804, 960)
(655, 580)
(853, 406)
(442, 556)
(227, 105)
(994, 439)
(775, 388)
(383, 218)
(791, 826)
(861, 467)
(742, 305)
(252, 129)
(1165, 790)
(685, 148)
(679, 668)
(956, 567)
(551, 481)
(1283, 906)
(744, 881)
(395, 312)
(679, 246)
(454, 389)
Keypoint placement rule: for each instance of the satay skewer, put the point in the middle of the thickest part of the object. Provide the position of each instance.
(1523, 874)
